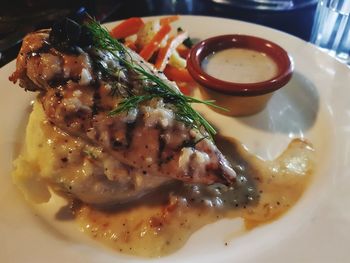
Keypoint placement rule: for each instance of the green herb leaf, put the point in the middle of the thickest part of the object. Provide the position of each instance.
(158, 88)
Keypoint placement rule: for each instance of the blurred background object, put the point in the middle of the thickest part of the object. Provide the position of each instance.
(18, 17)
(276, 5)
(331, 29)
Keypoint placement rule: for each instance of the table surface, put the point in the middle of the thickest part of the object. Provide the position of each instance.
(15, 22)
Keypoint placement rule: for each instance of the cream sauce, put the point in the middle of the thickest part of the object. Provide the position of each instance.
(240, 65)
(162, 222)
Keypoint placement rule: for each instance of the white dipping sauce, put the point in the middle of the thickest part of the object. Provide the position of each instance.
(240, 65)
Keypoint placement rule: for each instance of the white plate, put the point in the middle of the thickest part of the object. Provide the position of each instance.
(314, 105)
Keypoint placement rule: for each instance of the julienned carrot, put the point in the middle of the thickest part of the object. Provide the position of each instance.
(131, 45)
(127, 28)
(177, 74)
(168, 19)
(165, 52)
(185, 88)
(154, 44)
(162, 55)
(183, 51)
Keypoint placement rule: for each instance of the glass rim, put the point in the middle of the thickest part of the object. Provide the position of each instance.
(268, 5)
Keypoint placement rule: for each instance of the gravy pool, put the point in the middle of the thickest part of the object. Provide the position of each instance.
(161, 223)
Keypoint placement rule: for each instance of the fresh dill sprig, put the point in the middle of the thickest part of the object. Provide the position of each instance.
(130, 103)
(102, 39)
(183, 110)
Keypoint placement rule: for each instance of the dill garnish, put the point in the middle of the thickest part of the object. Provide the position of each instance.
(157, 87)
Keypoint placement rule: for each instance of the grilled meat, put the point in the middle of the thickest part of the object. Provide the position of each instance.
(78, 93)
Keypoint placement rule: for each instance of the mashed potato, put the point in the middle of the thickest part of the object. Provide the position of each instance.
(69, 165)
(36, 160)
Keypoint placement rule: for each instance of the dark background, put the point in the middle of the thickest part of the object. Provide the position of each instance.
(22, 16)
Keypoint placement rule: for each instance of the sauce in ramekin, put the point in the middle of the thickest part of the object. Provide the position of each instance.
(239, 72)
(240, 65)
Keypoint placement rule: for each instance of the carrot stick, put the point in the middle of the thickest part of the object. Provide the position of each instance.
(177, 74)
(154, 44)
(168, 19)
(131, 45)
(183, 51)
(165, 52)
(185, 88)
(127, 28)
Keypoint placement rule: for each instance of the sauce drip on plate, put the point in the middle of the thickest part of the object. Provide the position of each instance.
(161, 223)
(240, 65)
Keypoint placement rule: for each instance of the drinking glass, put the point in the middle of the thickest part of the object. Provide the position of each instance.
(272, 5)
(331, 28)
